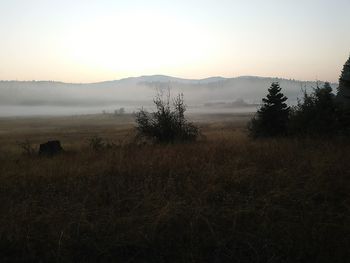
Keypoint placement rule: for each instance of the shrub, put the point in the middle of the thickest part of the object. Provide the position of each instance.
(27, 147)
(168, 123)
(317, 113)
(97, 143)
(119, 112)
(272, 118)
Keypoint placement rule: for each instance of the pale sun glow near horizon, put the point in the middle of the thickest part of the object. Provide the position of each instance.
(90, 41)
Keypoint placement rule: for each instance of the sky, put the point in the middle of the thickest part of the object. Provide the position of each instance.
(91, 41)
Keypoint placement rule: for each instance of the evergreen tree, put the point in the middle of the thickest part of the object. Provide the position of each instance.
(272, 118)
(344, 85)
(317, 113)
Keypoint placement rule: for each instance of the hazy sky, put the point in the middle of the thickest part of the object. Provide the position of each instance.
(88, 41)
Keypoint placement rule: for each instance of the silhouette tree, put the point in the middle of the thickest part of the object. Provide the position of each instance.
(168, 124)
(272, 118)
(317, 113)
(343, 95)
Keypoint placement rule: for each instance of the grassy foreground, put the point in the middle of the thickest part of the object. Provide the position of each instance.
(225, 198)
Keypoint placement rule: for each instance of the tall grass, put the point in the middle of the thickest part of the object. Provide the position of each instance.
(225, 199)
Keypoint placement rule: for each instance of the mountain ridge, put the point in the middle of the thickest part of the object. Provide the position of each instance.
(160, 78)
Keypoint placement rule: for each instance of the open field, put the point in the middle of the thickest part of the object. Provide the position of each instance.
(74, 131)
(225, 198)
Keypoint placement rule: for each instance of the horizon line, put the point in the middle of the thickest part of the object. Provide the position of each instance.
(168, 76)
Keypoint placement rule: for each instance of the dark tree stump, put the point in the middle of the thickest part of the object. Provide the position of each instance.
(50, 148)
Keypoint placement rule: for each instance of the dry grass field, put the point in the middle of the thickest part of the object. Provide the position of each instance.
(225, 198)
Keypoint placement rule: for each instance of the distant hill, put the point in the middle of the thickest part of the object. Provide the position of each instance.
(142, 89)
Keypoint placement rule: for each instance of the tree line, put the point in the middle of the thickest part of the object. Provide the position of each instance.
(318, 113)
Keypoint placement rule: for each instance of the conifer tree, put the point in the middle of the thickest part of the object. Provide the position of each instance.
(344, 85)
(272, 118)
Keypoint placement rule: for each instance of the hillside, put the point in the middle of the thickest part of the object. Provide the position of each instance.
(141, 89)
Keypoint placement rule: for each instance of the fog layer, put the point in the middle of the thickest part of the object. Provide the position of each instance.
(214, 94)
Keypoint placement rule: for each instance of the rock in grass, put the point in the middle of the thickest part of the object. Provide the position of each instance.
(50, 148)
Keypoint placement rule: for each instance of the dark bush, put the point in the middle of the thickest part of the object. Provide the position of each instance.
(317, 113)
(168, 123)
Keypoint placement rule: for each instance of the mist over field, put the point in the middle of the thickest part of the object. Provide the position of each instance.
(210, 95)
(175, 131)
